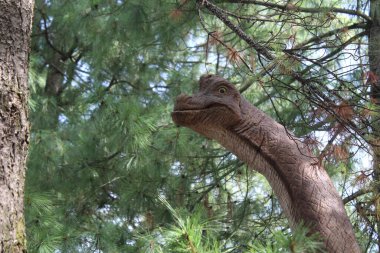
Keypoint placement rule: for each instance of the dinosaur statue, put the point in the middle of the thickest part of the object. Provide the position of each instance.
(304, 189)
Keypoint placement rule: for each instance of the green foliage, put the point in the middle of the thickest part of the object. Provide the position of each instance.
(297, 242)
(41, 217)
(192, 232)
(189, 233)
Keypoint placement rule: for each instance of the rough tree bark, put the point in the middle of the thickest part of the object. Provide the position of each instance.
(15, 29)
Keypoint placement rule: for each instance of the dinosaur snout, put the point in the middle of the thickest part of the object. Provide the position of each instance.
(181, 102)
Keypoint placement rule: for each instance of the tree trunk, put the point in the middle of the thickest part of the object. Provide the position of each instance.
(53, 89)
(15, 29)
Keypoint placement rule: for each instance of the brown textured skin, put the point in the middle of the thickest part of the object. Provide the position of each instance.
(304, 189)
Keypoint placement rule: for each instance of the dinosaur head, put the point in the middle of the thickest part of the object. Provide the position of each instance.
(215, 106)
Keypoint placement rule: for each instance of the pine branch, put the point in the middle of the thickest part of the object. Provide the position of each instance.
(221, 15)
(288, 7)
(356, 194)
(328, 34)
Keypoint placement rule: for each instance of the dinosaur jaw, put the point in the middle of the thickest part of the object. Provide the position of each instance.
(185, 117)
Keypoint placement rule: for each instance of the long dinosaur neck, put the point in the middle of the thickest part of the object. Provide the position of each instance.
(304, 189)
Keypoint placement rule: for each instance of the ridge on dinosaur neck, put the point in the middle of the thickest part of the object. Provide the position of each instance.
(304, 189)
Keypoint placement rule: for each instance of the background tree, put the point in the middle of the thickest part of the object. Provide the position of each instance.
(15, 30)
(103, 148)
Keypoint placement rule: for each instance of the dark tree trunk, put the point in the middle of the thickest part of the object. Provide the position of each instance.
(53, 89)
(15, 29)
(374, 62)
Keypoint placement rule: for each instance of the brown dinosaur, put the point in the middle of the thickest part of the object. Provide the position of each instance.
(304, 189)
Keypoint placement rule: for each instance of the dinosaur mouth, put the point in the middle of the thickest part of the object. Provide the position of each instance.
(195, 109)
(190, 110)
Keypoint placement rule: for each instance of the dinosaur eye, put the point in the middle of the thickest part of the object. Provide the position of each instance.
(222, 90)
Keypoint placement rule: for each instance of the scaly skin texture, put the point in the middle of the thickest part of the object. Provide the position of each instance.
(304, 189)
